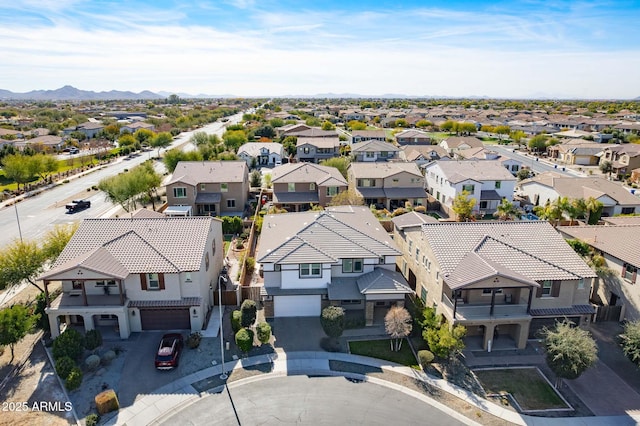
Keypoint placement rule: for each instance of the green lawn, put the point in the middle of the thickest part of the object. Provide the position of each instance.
(526, 385)
(227, 241)
(381, 349)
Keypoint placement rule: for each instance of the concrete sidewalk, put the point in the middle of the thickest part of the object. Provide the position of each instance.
(181, 393)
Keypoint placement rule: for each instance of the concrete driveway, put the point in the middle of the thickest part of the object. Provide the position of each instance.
(297, 334)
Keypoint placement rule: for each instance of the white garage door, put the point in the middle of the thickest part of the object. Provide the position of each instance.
(297, 306)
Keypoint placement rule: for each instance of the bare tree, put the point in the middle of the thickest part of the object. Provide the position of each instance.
(398, 325)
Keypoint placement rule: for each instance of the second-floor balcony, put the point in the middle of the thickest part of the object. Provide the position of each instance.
(71, 299)
(465, 312)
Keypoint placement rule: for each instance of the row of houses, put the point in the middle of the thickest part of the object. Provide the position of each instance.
(151, 272)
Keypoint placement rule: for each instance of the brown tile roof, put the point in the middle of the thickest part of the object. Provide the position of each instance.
(307, 172)
(620, 241)
(195, 172)
(136, 245)
(532, 249)
(383, 169)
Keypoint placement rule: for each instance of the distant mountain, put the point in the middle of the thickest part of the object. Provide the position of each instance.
(70, 93)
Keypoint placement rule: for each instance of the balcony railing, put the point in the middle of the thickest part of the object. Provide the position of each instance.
(476, 312)
(74, 299)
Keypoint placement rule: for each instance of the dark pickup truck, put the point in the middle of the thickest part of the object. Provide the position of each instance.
(77, 205)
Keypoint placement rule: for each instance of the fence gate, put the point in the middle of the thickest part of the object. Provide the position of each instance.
(608, 313)
(251, 292)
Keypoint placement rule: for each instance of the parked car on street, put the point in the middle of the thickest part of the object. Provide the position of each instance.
(168, 354)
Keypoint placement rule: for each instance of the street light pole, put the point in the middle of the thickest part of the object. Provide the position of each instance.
(15, 205)
(223, 376)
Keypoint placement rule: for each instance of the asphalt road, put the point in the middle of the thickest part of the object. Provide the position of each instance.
(40, 213)
(309, 400)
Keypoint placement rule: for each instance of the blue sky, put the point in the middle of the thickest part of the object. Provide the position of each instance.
(521, 48)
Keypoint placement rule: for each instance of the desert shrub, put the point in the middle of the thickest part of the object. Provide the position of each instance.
(244, 339)
(92, 419)
(264, 332)
(426, 358)
(239, 244)
(107, 357)
(399, 211)
(70, 343)
(248, 311)
(236, 323)
(92, 362)
(93, 339)
(193, 341)
(64, 365)
(332, 320)
(74, 380)
(420, 209)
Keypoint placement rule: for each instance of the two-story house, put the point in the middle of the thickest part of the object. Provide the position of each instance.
(368, 135)
(298, 186)
(546, 187)
(501, 280)
(388, 185)
(316, 149)
(139, 273)
(264, 153)
(623, 158)
(619, 245)
(210, 188)
(486, 181)
(340, 256)
(374, 150)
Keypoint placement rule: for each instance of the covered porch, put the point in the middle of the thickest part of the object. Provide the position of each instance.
(295, 201)
(372, 293)
(208, 203)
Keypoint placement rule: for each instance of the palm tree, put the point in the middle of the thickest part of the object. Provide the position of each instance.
(593, 207)
(553, 212)
(507, 211)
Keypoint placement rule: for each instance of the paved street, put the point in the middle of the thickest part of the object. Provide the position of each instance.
(38, 214)
(309, 400)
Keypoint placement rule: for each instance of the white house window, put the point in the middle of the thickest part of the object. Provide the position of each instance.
(546, 288)
(332, 191)
(352, 265)
(305, 149)
(308, 270)
(498, 183)
(629, 272)
(487, 291)
(410, 246)
(483, 204)
(423, 295)
(180, 192)
(277, 267)
(231, 203)
(469, 188)
(291, 186)
(224, 187)
(581, 284)
(381, 260)
(203, 186)
(417, 254)
(76, 285)
(312, 186)
(187, 277)
(153, 282)
(369, 154)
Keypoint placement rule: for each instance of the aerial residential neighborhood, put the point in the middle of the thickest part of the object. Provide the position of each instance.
(497, 238)
(341, 213)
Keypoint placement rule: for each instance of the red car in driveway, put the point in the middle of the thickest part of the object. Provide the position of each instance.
(169, 351)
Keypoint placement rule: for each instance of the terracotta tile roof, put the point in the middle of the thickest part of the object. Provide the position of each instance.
(184, 302)
(532, 249)
(326, 236)
(619, 241)
(136, 245)
(195, 172)
(560, 312)
(307, 173)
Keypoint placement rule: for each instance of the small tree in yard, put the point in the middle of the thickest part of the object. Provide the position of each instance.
(445, 341)
(570, 350)
(244, 340)
(248, 311)
(264, 332)
(398, 325)
(631, 341)
(332, 321)
(15, 323)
